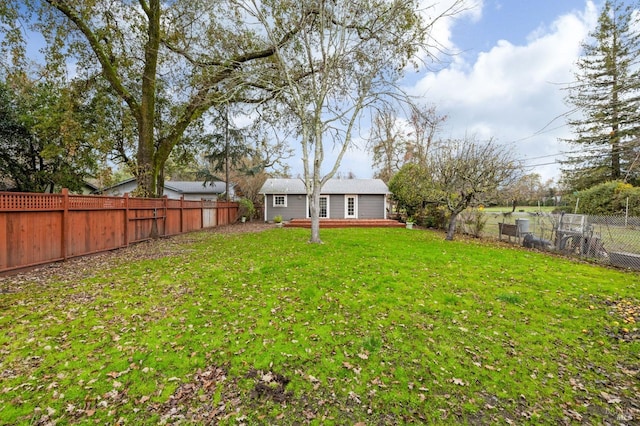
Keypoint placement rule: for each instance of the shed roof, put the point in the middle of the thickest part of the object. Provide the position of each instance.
(333, 186)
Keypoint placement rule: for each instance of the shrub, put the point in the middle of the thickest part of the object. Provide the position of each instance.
(472, 222)
(609, 198)
(432, 216)
(410, 188)
(247, 208)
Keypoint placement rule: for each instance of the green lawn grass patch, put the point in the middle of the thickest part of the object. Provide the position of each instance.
(383, 326)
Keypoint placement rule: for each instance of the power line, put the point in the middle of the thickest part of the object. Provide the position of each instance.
(544, 128)
(579, 151)
(539, 165)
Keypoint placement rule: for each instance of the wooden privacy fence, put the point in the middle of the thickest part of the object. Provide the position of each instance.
(43, 228)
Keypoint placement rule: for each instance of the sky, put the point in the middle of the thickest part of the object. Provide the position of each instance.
(503, 81)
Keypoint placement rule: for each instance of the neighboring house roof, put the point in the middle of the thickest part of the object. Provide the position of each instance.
(181, 187)
(88, 188)
(333, 186)
(186, 187)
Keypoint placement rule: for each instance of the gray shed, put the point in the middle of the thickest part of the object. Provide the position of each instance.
(339, 199)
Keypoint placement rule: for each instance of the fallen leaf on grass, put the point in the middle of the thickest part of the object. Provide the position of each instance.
(573, 415)
(576, 384)
(611, 399)
(629, 372)
(376, 381)
(458, 382)
(355, 397)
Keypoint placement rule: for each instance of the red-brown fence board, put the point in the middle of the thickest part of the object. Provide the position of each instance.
(95, 230)
(32, 237)
(42, 228)
(192, 216)
(226, 213)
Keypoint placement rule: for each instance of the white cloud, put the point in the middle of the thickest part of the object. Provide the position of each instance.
(442, 16)
(512, 92)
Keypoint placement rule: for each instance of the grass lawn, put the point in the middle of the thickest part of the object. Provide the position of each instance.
(375, 326)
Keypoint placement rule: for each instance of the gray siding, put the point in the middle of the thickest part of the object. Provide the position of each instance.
(370, 207)
(336, 206)
(296, 206)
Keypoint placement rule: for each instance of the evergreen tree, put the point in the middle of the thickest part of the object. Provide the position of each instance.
(606, 94)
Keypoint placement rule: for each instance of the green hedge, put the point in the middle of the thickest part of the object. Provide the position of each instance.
(609, 198)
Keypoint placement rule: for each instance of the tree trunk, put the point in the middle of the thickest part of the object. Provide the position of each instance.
(451, 231)
(144, 158)
(147, 165)
(314, 203)
(616, 171)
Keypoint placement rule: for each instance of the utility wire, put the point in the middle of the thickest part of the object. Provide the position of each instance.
(544, 128)
(579, 151)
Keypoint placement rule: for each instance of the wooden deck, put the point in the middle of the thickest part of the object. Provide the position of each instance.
(346, 223)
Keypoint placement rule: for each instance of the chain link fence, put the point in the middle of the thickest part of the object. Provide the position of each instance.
(611, 240)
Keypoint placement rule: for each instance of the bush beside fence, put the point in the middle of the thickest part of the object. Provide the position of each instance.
(42, 228)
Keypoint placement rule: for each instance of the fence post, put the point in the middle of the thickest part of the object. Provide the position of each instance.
(126, 219)
(165, 207)
(181, 213)
(202, 213)
(65, 223)
(626, 214)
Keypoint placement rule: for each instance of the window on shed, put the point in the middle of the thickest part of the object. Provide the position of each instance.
(279, 201)
(324, 207)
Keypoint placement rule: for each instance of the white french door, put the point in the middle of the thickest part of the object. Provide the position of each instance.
(350, 206)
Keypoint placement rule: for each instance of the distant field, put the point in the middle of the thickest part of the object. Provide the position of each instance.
(527, 209)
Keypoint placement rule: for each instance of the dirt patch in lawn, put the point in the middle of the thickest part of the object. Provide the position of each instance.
(210, 396)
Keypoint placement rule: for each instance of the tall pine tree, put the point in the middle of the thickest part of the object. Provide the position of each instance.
(606, 95)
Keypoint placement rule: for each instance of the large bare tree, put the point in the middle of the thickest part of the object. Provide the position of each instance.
(387, 143)
(346, 57)
(395, 141)
(424, 125)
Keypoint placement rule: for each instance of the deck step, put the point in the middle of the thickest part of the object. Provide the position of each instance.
(346, 223)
